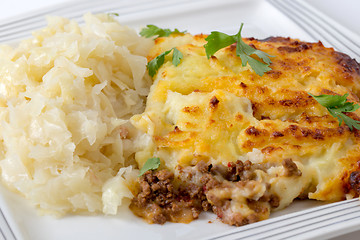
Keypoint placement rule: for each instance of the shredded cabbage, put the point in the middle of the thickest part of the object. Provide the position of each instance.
(66, 96)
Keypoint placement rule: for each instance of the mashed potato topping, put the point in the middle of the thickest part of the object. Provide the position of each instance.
(66, 96)
(243, 145)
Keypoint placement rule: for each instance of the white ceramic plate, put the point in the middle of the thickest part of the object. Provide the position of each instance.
(261, 20)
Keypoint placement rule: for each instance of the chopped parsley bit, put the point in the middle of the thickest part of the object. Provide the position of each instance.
(113, 14)
(218, 40)
(337, 106)
(152, 30)
(177, 56)
(151, 164)
(154, 65)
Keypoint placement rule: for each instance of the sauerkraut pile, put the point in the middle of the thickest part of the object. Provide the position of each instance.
(66, 96)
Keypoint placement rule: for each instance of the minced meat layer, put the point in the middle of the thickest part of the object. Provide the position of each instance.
(162, 197)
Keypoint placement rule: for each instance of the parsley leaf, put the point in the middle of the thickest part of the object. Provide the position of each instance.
(154, 65)
(151, 164)
(337, 105)
(218, 40)
(113, 14)
(152, 30)
(177, 56)
(330, 101)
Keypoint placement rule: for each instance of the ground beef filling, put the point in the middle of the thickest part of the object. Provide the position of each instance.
(162, 199)
(231, 192)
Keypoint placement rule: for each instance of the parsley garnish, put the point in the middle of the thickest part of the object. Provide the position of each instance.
(152, 30)
(151, 164)
(337, 105)
(113, 14)
(154, 65)
(177, 56)
(218, 40)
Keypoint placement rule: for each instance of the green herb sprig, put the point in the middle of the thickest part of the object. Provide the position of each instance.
(219, 40)
(154, 65)
(337, 106)
(113, 14)
(152, 30)
(151, 164)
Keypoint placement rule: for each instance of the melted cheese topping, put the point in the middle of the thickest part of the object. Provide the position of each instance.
(217, 111)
